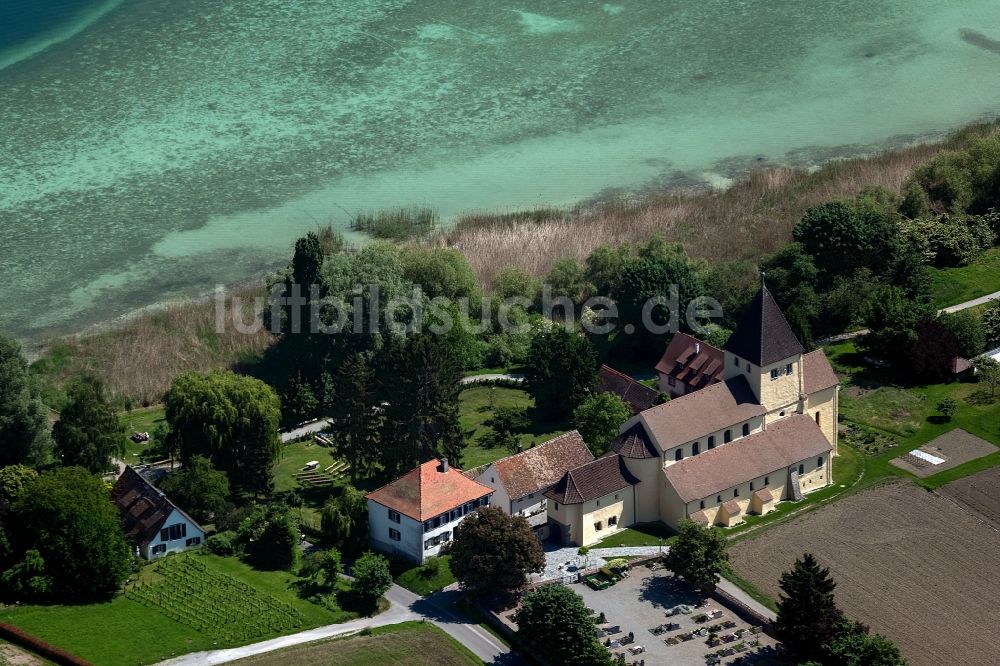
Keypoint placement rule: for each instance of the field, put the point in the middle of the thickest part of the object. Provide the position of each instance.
(956, 447)
(908, 562)
(979, 492)
(951, 286)
(168, 616)
(406, 644)
(144, 419)
(476, 406)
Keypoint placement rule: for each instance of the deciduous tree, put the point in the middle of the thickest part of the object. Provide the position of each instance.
(198, 488)
(88, 433)
(854, 645)
(554, 623)
(344, 520)
(24, 424)
(505, 424)
(561, 369)
(598, 419)
(372, 578)
(493, 551)
(698, 555)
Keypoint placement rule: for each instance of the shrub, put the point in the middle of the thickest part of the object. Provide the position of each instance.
(224, 543)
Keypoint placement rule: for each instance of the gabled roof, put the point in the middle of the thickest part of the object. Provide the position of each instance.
(732, 507)
(705, 411)
(538, 468)
(762, 335)
(784, 443)
(817, 373)
(143, 508)
(592, 481)
(689, 360)
(764, 495)
(635, 443)
(637, 396)
(429, 490)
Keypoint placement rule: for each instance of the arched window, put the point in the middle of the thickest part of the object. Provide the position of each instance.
(802, 469)
(746, 429)
(727, 436)
(679, 454)
(696, 448)
(819, 461)
(702, 503)
(711, 441)
(781, 413)
(751, 486)
(817, 418)
(736, 492)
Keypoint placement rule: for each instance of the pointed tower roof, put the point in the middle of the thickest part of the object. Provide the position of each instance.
(762, 335)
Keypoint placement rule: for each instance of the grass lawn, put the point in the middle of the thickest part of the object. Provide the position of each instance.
(139, 420)
(406, 644)
(425, 579)
(477, 405)
(951, 286)
(294, 457)
(640, 534)
(129, 631)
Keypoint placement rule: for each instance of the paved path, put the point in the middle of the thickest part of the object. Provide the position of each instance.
(731, 588)
(475, 379)
(562, 562)
(308, 429)
(973, 303)
(403, 606)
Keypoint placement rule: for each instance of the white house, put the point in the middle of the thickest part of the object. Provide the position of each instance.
(415, 515)
(152, 523)
(520, 481)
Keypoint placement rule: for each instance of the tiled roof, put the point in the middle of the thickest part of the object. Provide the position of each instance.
(699, 517)
(960, 365)
(764, 495)
(635, 443)
(538, 468)
(697, 414)
(732, 507)
(784, 443)
(689, 360)
(143, 508)
(817, 374)
(592, 481)
(637, 396)
(427, 491)
(762, 335)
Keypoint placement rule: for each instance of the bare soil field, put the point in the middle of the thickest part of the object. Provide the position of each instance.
(911, 564)
(980, 492)
(956, 447)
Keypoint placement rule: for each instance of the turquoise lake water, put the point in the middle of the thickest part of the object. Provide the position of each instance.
(153, 149)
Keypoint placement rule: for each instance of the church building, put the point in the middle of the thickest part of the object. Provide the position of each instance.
(764, 434)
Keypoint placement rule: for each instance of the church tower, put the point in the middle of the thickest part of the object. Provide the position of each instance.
(764, 350)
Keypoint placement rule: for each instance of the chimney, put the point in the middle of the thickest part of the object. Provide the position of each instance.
(444, 465)
(697, 348)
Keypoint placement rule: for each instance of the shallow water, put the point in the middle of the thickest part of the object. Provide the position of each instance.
(171, 146)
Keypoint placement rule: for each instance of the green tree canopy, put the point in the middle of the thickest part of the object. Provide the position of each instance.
(358, 416)
(277, 543)
(505, 424)
(605, 265)
(968, 330)
(88, 433)
(598, 419)
(698, 555)
(554, 623)
(514, 281)
(344, 520)
(568, 278)
(561, 369)
(13, 478)
(24, 424)
(892, 321)
(230, 419)
(854, 645)
(654, 277)
(492, 551)
(372, 578)
(440, 272)
(66, 515)
(198, 488)
(842, 237)
(807, 614)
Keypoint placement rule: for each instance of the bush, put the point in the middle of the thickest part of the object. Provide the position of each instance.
(224, 543)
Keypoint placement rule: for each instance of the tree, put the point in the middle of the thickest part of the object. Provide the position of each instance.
(24, 423)
(28, 578)
(554, 624)
(598, 419)
(567, 278)
(372, 578)
(916, 203)
(561, 369)
(344, 520)
(947, 407)
(419, 380)
(645, 279)
(968, 330)
(504, 425)
(358, 415)
(276, 545)
(987, 369)
(807, 615)
(198, 488)
(854, 645)
(515, 282)
(13, 479)
(88, 433)
(230, 419)
(605, 265)
(67, 517)
(332, 565)
(440, 272)
(842, 237)
(892, 320)
(932, 354)
(698, 555)
(492, 551)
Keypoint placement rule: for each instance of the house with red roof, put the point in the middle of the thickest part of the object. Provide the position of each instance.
(416, 515)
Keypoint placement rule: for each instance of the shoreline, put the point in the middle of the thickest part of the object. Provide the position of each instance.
(38, 44)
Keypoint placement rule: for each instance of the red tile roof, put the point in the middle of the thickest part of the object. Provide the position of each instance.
(691, 361)
(784, 443)
(697, 414)
(143, 508)
(732, 507)
(538, 468)
(764, 495)
(427, 491)
(592, 481)
(637, 396)
(817, 373)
